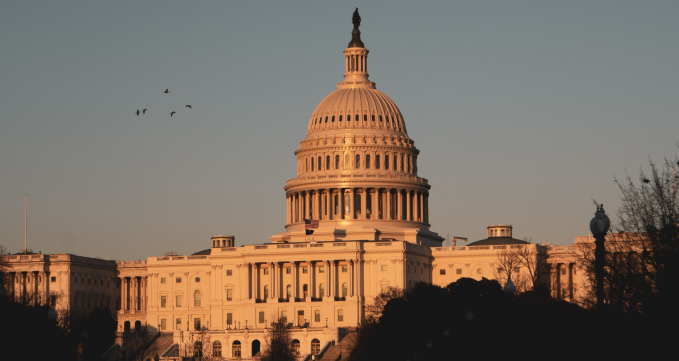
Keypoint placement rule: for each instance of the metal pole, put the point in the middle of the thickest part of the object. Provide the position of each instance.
(600, 259)
(26, 226)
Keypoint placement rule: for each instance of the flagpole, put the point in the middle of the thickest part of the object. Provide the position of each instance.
(26, 226)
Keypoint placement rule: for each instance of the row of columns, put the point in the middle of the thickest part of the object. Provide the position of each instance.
(339, 203)
(30, 286)
(357, 63)
(403, 162)
(133, 293)
(313, 279)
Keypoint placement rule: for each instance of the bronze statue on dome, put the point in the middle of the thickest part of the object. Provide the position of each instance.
(356, 19)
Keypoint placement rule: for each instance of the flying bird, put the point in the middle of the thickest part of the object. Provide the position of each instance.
(167, 91)
(138, 112)
(173, 113)
(144, 111)
(188, 106)
(646, 180)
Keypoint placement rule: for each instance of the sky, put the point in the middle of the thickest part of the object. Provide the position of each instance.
(524, 111)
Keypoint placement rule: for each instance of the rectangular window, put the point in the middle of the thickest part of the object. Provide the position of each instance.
(163, 300)
(53, 279)
(317, 316)
(458, 271)
(284, 317)
(344, 268)
(179, 300)
(385, 288)
(229, 318)
(384, 267)
(179, 324)
(196, 323)
(163, 280)
(163, 324)
(266, 271)
(442, 272)
(261, 316)
(304, 270)
(563, 272)
(321, 270)
(229, 294)
(288, 271)
(229, 272)
(178, 280)
(340, 315)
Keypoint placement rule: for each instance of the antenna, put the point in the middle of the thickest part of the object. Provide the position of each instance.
(26, 226)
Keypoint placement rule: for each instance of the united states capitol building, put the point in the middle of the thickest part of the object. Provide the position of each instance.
(359, 190)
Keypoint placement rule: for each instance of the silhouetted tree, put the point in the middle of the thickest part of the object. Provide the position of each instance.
(278, 343)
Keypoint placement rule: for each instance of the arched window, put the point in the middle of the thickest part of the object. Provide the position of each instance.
(386, 161)
(365, 117)
(288, 291)
(255, 347)
(126, 327)
(327, 162)
(320, 164)
(333, 119)
(306, 166)
(356, 117)
(408, 169)
(326, 119)
(372, 117)
(340, 118)
(312, 164)
(196, 298)
(346, 161)
(337, 162)
(380, 119)
(386, 117)
(217, 349)
(321, 290)
(266, 292)
(367, 161)
(345, 290)
(315, 346)
(402, 162)
(235, 349)
(358, 161)
(295, 346)
(198, 349)
(377, 161)
(395, 162)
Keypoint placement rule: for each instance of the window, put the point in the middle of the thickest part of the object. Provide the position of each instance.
(179, 300)
(304, 270)
(395, 162)
(53, 279)
(337, 162)
(316, 345)
(229, 272)
(178, 280)
(372, 117)
(266, 271)
(458, 271)
(386, 161)
(295, 346)
(346, 161)
(229, 294)
(327, 159)
(365, 117)
(402, 158)
(163, 280)
(261, 316)
(288, 291)
(384, 267)
(217, 349)
(196, 298)
(317, 315)
(340, 118)
(356, 117)
(89, 281)
(197, 279)
(288, 270)
(163, 301)
(377, 161)
(312, 164)
(344, 268)
(229, 318)
(321, 270)
(344, 290)
(340, 315)
(196, 323)
(385, 288)
(442, 272)
(179, 324)
(235, 349)
(284, 317)
(320, 164)
(367, 161)
(266, 292)
(333, 118)
(163, 324)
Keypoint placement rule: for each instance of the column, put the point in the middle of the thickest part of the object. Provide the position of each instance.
(351, 205)
(330, 205)
(399, 205)
(409, 206)
(327, 279)
(308, 263)
(272, 269)
(351, 277)
(426, 208)
(374, 204)
(144, 294)
(421, 204)
(364, 203)
(287, 209)
(329, 285)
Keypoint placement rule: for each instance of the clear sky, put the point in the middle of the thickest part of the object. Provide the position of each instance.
(523, 111)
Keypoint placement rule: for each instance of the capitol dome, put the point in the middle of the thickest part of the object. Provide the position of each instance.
(357, 175)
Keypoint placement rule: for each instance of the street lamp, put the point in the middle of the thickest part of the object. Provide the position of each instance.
(509, 287)
(599, 227)
(246, 324)
(326, 322)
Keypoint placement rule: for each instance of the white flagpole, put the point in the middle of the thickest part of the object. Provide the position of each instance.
(26, 226)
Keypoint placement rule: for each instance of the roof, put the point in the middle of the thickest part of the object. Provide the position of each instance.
(492, 241)
(205, 252)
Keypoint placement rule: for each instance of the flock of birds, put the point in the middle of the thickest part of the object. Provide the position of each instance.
(167, 91)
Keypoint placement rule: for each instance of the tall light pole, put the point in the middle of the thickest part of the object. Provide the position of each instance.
(599, 227)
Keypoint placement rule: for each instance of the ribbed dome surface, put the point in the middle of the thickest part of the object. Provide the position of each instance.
(339, 110)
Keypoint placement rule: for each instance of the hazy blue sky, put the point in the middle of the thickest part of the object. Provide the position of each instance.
(523, 111)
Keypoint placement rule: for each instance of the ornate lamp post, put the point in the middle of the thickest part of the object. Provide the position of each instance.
(509, 287)
(599, 227)
(246, 324)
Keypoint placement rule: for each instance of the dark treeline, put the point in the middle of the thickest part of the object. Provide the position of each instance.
(472, 318)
